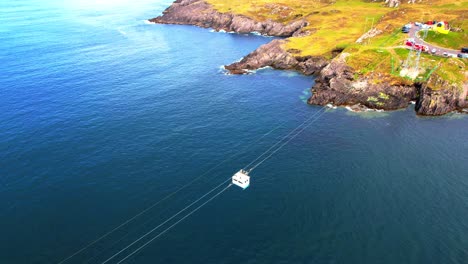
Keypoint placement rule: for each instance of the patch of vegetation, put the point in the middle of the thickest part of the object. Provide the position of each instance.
(452, 70)
(350, 19)
(370, 60)
(453, 40)
(276, 10)
(401, 52)
(384, 96)
(393, 39)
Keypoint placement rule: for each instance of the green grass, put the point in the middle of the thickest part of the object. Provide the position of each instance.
(344, 22)
(370, 60)
(401, 52)
(390, 61)
(453, 40)
(261, 10)
(393, 39)
(452, 70)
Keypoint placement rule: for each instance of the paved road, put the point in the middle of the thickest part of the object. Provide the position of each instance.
(413, 34)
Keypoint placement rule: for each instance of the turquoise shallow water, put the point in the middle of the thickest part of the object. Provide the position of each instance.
(103, 114)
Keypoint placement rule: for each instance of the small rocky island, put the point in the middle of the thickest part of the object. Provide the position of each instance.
(364, 71)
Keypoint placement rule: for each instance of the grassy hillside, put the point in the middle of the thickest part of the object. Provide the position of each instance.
(281, 11)
(453, 40)
(338, 24)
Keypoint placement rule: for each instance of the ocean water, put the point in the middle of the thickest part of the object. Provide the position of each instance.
(102, 115)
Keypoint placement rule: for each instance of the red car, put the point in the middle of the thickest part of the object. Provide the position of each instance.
(411, 43)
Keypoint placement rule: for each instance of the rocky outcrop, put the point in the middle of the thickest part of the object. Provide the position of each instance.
(274, 55)
(337, 85)
(438, 97)
(368, 35)
(202, 14)
(392, 3)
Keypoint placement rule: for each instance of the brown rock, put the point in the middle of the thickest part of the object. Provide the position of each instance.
(202, 14)
(438, 97)
(274, 55)
(336, 85)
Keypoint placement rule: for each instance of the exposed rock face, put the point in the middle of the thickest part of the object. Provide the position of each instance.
(336, 85)
(441, 101)
(202, 14)
(274, 55)
(369, 34)
(392, 3)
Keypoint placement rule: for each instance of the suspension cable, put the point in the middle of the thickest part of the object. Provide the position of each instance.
(280, 147)
(167, 196)
(170, 227)
(295, 135)
(181, 188)
(170, 195)
(167, 220)
(283, 138)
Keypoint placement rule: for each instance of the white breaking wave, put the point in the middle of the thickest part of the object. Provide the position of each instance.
(350, 109)
(264, 68)
(365, 109)
(222, 31)
(260, 34)
(239, 59)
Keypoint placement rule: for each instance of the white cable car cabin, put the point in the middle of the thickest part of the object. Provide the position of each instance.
(241, 179)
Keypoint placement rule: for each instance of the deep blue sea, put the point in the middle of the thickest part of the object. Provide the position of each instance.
(103, 115)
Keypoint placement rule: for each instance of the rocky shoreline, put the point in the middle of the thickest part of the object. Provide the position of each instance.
(273, 55)
(336, 82)
(199, 13)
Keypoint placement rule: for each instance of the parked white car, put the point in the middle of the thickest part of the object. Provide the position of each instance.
(433, 51)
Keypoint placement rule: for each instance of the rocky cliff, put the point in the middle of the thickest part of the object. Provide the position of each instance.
(202, 14)
(337, 85)
(438, 97)
(274, 55)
